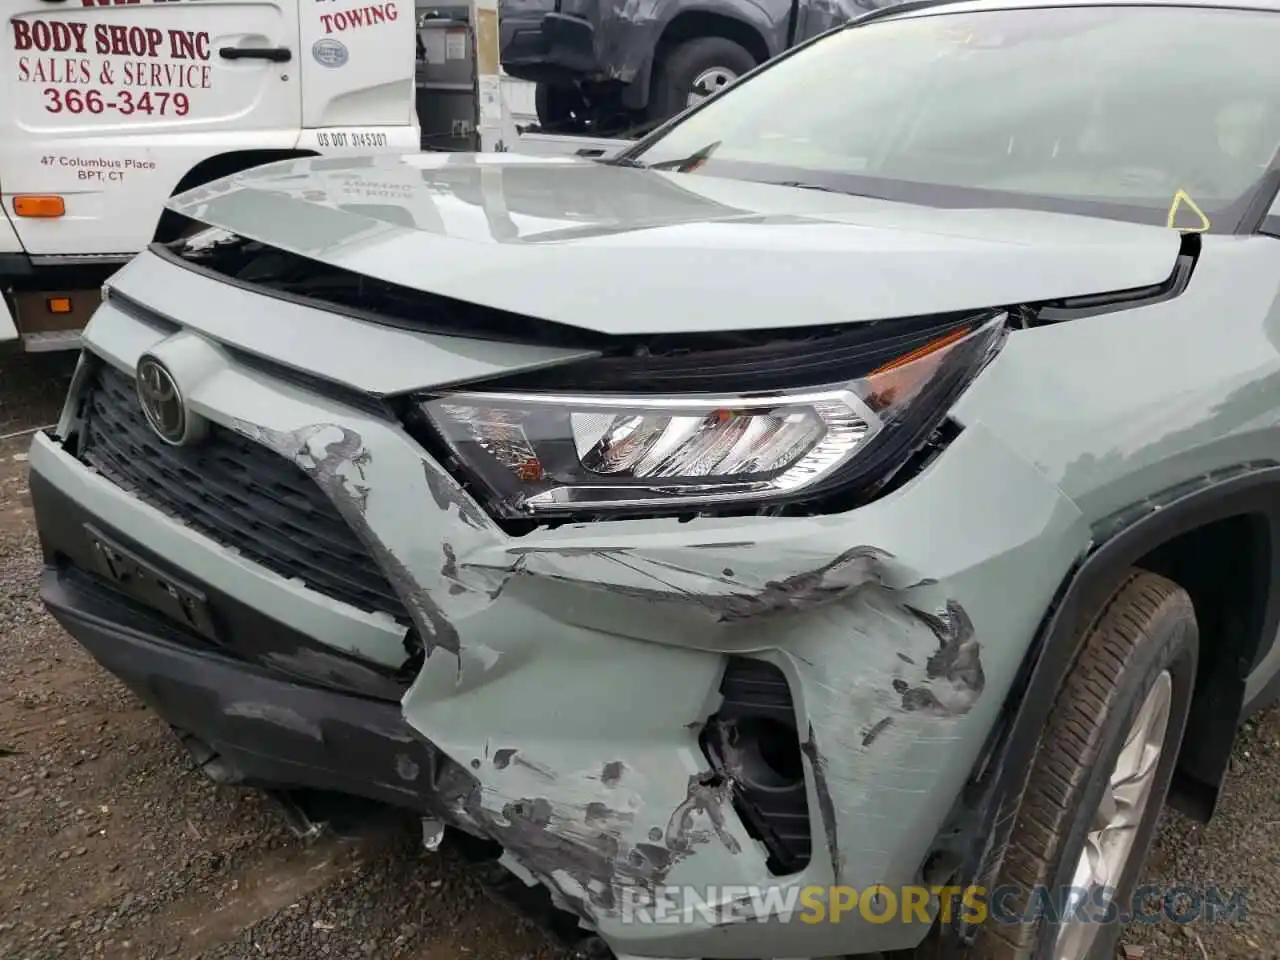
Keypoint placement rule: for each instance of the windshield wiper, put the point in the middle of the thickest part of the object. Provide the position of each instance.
(805, 185)
(802, 185)
(686, 164)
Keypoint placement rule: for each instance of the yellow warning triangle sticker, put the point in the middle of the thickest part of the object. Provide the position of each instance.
(1182, 200)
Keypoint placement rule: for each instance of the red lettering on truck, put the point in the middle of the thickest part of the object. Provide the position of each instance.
(54, 70)
(49, 36)
(125, 71)
(162, 76)
(367, 16)
(121, 41)
(188, 45)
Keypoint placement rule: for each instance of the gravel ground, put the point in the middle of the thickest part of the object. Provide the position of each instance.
(114, 847)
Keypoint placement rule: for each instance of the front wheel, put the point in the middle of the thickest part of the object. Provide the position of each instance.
(693, 71)
(561, 107)
(1099, 779)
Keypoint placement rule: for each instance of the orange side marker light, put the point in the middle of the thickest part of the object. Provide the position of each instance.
(39, 205)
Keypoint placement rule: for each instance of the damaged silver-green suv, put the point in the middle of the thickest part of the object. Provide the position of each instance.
(867, 484)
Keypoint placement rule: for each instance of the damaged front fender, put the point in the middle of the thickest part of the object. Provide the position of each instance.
(899, 629)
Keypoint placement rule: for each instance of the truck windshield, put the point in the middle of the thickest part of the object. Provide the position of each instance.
(1158, 114)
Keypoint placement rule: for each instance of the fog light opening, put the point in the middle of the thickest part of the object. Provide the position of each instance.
(766, 753)
(752, 742)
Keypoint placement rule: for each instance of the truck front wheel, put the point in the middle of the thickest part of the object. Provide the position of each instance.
(692, 71)
(561, 108)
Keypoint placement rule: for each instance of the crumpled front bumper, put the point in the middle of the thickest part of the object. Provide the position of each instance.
(244, 724)
(570, 671)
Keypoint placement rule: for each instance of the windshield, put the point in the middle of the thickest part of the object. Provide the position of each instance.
(1160, 114)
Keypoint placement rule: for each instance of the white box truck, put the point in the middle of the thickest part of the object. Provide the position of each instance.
(109, 107)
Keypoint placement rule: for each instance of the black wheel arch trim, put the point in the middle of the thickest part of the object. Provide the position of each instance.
(1119, 542)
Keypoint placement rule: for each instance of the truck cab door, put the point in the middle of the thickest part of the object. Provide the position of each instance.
(358, 70)
(110, 103)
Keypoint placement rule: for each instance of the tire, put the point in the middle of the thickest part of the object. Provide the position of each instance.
(560, 108)
(1145, 633)
(682, 66)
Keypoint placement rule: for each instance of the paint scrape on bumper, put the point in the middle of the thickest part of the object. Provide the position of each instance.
(897, 653)
(890, 675)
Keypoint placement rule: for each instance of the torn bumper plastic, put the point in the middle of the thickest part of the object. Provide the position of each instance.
(569, 674)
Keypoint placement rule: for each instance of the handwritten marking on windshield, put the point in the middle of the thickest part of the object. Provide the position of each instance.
(1183, 199)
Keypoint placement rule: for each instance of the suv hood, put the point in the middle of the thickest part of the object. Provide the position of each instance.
(630, 251)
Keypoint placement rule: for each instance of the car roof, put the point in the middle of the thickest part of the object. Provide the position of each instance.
(930, 7)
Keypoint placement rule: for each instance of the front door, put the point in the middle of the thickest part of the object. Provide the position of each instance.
(358, 66)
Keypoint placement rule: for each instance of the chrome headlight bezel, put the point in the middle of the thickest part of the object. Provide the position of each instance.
(521, 452)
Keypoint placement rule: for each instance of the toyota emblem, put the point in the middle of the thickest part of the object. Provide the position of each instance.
(161, 401)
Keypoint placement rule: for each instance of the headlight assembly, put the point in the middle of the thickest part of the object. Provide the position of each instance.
(544, 454)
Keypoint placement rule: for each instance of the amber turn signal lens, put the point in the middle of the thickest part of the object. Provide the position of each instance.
(35, 205)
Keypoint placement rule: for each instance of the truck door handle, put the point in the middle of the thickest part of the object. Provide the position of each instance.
(274, 54)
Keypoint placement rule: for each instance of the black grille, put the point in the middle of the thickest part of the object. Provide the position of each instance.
(236, 492)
